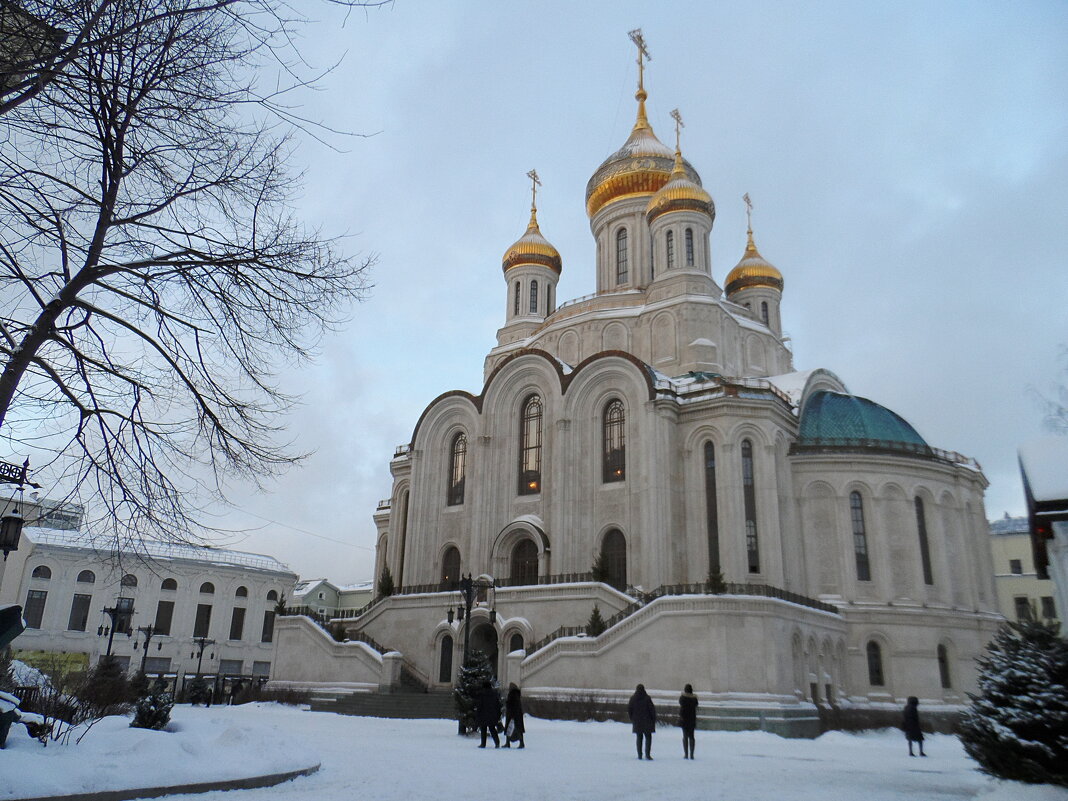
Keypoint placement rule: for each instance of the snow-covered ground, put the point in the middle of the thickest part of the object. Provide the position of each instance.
(410, 760)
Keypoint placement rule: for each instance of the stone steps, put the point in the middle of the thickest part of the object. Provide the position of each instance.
(397, 705)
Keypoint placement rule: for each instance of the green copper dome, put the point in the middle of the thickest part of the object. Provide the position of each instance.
(839, 421)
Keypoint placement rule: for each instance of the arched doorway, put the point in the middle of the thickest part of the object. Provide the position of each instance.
(614, 559)
(524, 567)
(484, 639)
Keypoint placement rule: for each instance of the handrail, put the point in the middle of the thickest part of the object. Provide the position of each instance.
(831, 444)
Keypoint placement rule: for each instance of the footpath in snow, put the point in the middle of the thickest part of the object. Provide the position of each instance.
(411, 760)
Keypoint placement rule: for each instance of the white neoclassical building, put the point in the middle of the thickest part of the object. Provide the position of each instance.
(656, 436)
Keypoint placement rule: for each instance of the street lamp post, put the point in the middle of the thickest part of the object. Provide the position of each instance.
(120, 615)
(12, 521)
(201, 643)
(469, 589)
(149, 632)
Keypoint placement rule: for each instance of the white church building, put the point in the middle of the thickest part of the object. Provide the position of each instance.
(656, 436)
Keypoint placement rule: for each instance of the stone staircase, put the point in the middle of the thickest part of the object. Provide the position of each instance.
(393, 705)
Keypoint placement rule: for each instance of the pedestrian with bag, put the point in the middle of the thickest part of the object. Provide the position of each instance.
(643, 720)
(513, 717)
(688, 720)
(488, 713)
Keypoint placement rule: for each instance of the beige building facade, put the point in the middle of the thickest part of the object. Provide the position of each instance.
(1022, 595)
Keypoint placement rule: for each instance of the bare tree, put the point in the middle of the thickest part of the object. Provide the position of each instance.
(153, 276)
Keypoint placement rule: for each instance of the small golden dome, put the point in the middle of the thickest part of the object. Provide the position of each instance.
(641, 167)
(681, 193)
(532, 248)
(753, 270)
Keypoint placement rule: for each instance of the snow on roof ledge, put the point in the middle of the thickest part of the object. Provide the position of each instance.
(1044, 462)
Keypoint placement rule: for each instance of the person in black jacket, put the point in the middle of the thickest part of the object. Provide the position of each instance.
(643, 720)
(687, 720)
(488, 713)
(911, 724)
(513, 716)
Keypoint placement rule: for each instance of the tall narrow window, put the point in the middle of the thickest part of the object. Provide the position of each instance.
(548, 299)
(518, 294)
(614, 459)
(237, 623)
(457, 470)
(1021, 603)
(689, 247)
(79, 612)
(450, 569)
(525, 563)
(943, 668)
(764, 311)
(614, 558)
(530, 447)
(621, 256)
(875, 664)
(652, 260)
(533, 297)
(203, 620)
(860, 537)
(267, 635)
(711, 508)
(164, 616)
(33, 613)
(925, 552)
(669, 242)
(752, 548)
(445, 660)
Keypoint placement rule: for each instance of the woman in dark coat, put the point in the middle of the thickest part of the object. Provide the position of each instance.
(687, 720)
(488, 713)
(513, 716)
(643, 720)
(911, 724)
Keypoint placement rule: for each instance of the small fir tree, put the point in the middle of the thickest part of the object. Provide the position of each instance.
(716, 584)
(7, 670)
(153, 711)
(474, 673)
(600, 569)
(595, 626)
(1017, 727)
(198, 691)
(385, 583)
(280, 606)
(106, 690)
(139, 686)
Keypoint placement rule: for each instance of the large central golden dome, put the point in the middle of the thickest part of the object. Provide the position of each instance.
(641, 167)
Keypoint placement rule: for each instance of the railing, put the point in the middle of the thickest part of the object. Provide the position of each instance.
(556, 578)
(831, 444)
(725, 384)
(385, 503)
(402, 450)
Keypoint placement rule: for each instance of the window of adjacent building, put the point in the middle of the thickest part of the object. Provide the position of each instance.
(450, 568)
(261, 668)
(530, 447)
(925, 553)
(203, 620)
(525, 562)
(669, 247)
(41, 572)
(875, 664)
(79, 612)
(711, 508)
(158, 664)
(457, 470)
(124, 618)
(445, 660)
(533, 297)
(689, 247)
(614, 558)
(614, 459)
(87, 577)
(1023, 608)
(621, 256)
(1015, 567)
(237, 623)
(129, 580)
(33, 613)
(764, 311)
(943, 668)
(518, 296)
(752, 548)
(267, 634)
(164, 616)
(241, 592)
(860, 537)
(169, 585)
(1049, 611)
(231, 667)
(272, 595)
(207, 588)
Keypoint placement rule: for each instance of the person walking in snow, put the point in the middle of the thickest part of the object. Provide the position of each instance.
(488, 713)
(513, 717)
(643, 720)
(687, 720)
(910, 722)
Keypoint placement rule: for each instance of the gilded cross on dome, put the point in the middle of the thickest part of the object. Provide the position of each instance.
(748, 212)
(535, 182)
(679, 125)
(643, 53)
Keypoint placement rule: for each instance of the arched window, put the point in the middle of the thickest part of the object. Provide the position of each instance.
(169, 584)
(525, 562)
(621, 256)
(652, 261)
(41, 572)
(533, 297)
(860, 537)
(272, 595)
(518, 294)
(875, 664)
(515, 642)
(207, 588)
(530, 447)
(752, 547)
(943, 668)
(669, 242)
(457, 470)
(242, 592)
(87, 577)
(764, 311)
(711, 508)
(925, 553)
(129, 580)
(450, 569)
(614, 559)
(689, 247)
(445, 660)
(614, 455)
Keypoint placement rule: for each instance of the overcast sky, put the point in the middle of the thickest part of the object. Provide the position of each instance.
(908, 165)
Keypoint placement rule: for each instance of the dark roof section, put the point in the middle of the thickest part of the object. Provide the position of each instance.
(836, 421)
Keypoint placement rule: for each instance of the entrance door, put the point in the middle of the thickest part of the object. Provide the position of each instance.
(484, 639)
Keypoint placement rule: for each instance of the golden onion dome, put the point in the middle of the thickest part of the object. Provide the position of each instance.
(532, 248)
(641, 167)
(753, 270)
(680, 193)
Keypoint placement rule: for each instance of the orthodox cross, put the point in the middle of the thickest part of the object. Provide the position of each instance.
(748, 211)
(535, 182)
(643, 53)
(679, 125)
